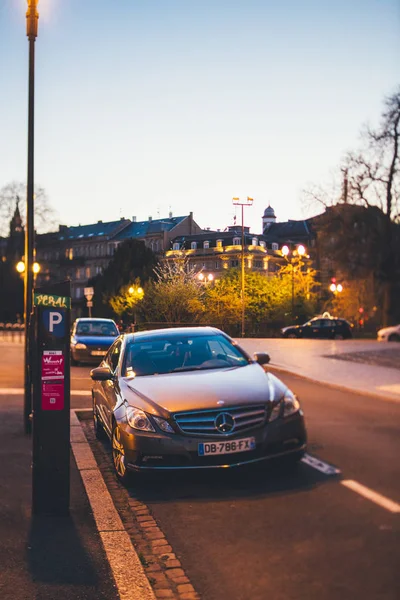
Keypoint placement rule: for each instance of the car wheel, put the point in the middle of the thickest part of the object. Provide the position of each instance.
(395, 337)
(292, 336)
(99, 430)
(118, 455)
(338, 336)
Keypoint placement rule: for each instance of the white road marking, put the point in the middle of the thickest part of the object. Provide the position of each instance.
(21, 391)
(391, 506)
(393, 388)
(320, 465)
(117, 544)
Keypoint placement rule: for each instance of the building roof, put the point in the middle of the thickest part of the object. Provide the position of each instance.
(98, 229)
(269, 212)
(289, 231)
(140, 229)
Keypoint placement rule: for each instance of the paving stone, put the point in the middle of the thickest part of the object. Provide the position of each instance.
(182, 579)
(175, 573)
(164, 593)
(185, 587)
(154, 535)
(162, 549)
(160, 542)
(170, 564)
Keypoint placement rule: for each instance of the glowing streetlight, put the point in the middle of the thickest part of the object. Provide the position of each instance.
(336, 288)
(299, 251)
(242, 203)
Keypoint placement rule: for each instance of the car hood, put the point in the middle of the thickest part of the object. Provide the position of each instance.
(392, 329)
(290, 327)
(95, 340)
(197, 390)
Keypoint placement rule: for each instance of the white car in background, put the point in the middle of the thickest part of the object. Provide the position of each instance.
(389, 334)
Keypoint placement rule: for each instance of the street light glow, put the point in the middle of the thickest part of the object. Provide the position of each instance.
(285, 250)
(301, 250)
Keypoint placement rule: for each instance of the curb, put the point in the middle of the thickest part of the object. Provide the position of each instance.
(116, 541)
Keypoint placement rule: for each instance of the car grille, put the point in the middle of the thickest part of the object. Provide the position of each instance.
(202, 422)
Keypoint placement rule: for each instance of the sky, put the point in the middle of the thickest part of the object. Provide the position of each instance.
(143, 107)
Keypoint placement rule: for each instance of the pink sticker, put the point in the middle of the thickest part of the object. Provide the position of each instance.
(53, 396)
(53, 364)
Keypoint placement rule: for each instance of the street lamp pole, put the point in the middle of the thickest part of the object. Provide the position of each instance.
(247, 202)
(32, 17)
(299, 252)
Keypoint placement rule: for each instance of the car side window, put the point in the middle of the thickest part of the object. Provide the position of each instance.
(113, 355)
(317, 323)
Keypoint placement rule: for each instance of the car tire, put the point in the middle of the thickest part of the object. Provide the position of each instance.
(338, 336)
(118, 456)
(291, 336)
(99, 430)
(394, 337)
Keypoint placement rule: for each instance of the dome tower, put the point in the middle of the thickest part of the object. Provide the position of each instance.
(268, 217)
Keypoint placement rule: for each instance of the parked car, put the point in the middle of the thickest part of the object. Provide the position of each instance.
(91, 338)
(191, 398)
(389, 334)
(320, 328)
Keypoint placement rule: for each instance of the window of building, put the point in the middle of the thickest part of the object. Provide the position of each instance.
(258, 264)
(254, 242)
(219, 243)
(78, 292)
(234, 263)
(193, 245)
(206, 245)
(275, 246)
(175, 246)
(87, 272)
(262, 244)
(216, 266)
(236, 241)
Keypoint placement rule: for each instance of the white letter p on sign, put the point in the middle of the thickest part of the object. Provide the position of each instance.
(54, 319)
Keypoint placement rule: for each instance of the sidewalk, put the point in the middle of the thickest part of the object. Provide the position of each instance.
(354, 365)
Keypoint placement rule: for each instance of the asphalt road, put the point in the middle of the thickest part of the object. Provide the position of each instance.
(265, 534)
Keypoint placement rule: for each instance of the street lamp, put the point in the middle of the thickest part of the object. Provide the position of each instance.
(238, 202)
(32, 17)
(205, 278)
(336, 288)
(35, 269)
(299, 251)
(137, 294)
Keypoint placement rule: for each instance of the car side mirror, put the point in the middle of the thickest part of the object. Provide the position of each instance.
(101, 374)
(262, 358)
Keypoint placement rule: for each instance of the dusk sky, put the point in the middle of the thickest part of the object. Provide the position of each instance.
(147, 106)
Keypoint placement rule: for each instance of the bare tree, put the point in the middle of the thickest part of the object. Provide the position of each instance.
(368, 239)
(15, 192)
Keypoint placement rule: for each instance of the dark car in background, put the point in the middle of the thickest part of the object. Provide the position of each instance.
(328, 328)
(191, 398)
(91, 339)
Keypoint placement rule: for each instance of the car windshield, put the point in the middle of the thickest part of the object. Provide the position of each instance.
(149, 355)
(97, 328)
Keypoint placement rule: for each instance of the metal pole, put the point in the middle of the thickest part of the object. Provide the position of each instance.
(292, 290)
(243, 328)
(29, 233)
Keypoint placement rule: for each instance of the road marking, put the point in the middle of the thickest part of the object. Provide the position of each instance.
(21, 391)
(394, 388)
(391, 506)
(320, 465)
(117, 544)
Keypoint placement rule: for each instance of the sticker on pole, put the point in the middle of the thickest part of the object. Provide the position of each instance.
(54, 322)
(53, 364)
(52, 395)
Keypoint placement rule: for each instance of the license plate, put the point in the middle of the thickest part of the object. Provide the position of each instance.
(98, 352)
(243, 445)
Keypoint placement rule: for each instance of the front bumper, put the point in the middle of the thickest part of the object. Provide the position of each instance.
(86, 356)
(162, 452)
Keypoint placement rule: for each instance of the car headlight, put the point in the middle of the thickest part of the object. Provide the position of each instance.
(163, 425)
(290, 404)
(138, 419)
(80, 346)
(287, 406)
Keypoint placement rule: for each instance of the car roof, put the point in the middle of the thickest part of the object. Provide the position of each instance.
(172, 332)
(97, 319)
